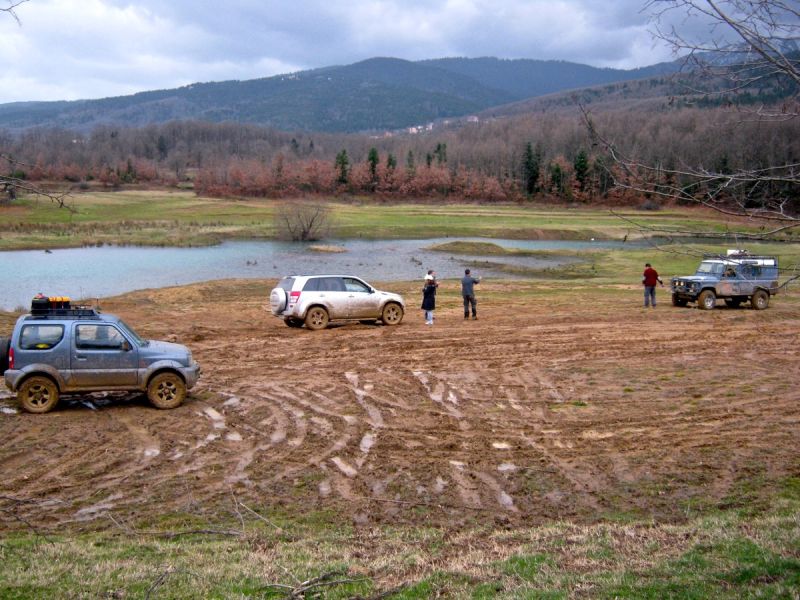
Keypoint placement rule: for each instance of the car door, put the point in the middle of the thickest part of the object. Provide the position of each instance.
(102, 357)
(729, 281)
(363, 302)
(747, 276)
(330, 292)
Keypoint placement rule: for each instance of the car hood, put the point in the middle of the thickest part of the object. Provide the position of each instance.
(696, 278)
(391, 296)
(157, 350)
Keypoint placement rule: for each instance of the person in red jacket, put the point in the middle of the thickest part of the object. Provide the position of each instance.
(649, 279)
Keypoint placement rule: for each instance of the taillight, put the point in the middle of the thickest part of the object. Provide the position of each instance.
(10, 358)
(294, 297)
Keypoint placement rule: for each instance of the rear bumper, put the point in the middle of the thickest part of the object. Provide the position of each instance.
(12, 377)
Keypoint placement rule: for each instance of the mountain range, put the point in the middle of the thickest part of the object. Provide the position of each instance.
(377, 94)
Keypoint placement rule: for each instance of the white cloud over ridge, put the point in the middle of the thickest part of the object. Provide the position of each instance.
(74, 49)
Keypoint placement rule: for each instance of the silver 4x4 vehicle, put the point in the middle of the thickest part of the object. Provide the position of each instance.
(315, 300)
(737, 277)
(78, 349)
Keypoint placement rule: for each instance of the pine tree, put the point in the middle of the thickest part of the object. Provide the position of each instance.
(342, 165)
(373, 159)
(581, 167)
(531, 165)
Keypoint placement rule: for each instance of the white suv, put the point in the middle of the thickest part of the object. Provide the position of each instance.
(314, 300)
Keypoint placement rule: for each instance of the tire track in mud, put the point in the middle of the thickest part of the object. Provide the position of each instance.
(532, 413)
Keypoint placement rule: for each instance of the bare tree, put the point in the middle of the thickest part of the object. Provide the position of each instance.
(302, 221)
(748, 44)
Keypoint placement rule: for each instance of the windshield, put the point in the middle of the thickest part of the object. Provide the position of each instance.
(708, 268)
(132, 334)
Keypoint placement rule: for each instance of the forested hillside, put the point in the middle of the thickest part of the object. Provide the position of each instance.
(546, 152)
(373, 95)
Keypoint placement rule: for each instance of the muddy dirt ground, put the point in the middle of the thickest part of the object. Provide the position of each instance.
(564, 403)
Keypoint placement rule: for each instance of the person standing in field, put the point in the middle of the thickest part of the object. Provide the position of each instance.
(429, 296)
(649, 279)
(468, 283)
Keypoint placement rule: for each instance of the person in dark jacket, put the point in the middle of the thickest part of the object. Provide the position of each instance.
(429, 297)
(468, 283)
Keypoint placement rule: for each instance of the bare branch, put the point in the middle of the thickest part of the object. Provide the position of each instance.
(162, 578)
(730, 194)
(302, 589)
(11, 8)
(11, 185)
(766, 53)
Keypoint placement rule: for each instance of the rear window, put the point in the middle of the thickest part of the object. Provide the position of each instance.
(286, 283)
(40, 337)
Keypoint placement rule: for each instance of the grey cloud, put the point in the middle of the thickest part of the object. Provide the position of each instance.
(121, 46)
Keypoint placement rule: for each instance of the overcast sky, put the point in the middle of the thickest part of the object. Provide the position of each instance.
(73, 49)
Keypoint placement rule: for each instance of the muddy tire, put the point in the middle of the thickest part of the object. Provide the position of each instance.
(317, 318)
(5, 344)
(166, 390)
(678, 301)
(707, 300)
(293, 322)
(759, 300)
(392, 314)
(38, 394)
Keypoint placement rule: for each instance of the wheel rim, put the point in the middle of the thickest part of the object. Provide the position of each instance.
(392, 314)
(166, 391)
(760, 301)
(39, 395)
(317, 318)
(709, 302)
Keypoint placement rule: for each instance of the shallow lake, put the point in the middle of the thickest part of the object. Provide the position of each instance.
(95, 272)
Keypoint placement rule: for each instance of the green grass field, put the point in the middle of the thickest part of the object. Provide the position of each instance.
(180, 218)
(722, 555)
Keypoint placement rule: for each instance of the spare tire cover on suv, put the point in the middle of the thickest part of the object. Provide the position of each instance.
(277, 300)
(5, 344)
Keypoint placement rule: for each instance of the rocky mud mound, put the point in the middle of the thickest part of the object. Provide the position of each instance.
(587, 407)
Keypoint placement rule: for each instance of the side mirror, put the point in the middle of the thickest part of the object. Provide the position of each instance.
(126, 346)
